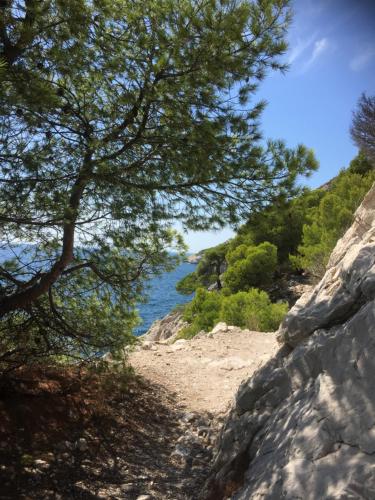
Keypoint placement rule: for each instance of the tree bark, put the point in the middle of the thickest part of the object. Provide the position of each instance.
(21, 299)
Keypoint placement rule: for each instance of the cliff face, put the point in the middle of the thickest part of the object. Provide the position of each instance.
(304, 425)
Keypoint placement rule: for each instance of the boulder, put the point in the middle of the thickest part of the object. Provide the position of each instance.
(166, 328)
(220, 327)
(304, 425)
(194, 259)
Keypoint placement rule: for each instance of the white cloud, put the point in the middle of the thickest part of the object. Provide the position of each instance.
(320, 46)
(361, 60)
(299, 47)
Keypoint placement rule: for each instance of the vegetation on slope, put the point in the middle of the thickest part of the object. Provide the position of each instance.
(289, 235)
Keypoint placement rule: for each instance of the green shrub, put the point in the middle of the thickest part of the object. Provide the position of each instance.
(202, 312)
(188, 284)
(253, 310)
(250, 266)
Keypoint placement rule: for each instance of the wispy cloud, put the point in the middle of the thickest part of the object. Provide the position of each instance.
(299, 47)
(361, 60)
(307, 51)
(320, 46)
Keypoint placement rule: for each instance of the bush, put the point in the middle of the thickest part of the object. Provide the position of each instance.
(188, 284)
(250, 266)
(252, 309)
(202, 312)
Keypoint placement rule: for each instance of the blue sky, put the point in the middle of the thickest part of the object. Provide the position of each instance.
(332, 61)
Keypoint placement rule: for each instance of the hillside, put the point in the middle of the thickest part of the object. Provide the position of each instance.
(303, 425)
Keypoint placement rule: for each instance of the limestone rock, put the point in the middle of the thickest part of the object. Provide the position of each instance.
(348, 283)
(220, 327)
(304, 425)
(146, 345)
(194, 259)
(230, 363)
(166, 328)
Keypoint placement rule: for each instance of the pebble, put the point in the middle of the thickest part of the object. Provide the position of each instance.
(68, 445)
(144, 497)
(82, 444)
(147, 345)
(41, 464)
(188, 417)
(203, 431)
(126, 488)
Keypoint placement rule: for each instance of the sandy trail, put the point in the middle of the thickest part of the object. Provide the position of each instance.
(204, 373)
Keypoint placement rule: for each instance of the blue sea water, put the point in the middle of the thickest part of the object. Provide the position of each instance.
(163, 296)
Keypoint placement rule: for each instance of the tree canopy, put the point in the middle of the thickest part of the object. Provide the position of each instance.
(118, 117)
(363, 126)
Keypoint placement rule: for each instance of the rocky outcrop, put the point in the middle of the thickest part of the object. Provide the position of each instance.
(194, 259)
(166, 328)
(304, 425)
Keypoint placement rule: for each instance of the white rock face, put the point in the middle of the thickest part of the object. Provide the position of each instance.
(348, 283)
(303, 426)
(166, 328)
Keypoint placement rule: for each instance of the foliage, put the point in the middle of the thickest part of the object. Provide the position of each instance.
(250, 266)
(311, 222)
(208, 271)
(188, 284)
(281, 222)
(360, 165)
(202, 312)
(328, 221)
(252, 309)
(363, 126)
(115, 121)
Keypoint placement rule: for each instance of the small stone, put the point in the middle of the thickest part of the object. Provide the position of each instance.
(41, 464)
(82, 444)
(127, 488)
(144, 497)
(220, 327)
(188, 417)
(203, 431)
(180, 450)
(147, 345)
(68, 445)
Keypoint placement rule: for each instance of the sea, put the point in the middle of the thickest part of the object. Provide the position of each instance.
(163, 296)
(161, 292)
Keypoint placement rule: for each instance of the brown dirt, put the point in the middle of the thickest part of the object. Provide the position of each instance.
(130, 434)
(131, 426)
(204, 373)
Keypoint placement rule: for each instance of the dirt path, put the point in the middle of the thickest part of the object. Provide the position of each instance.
(204, 373)
(70, 435)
